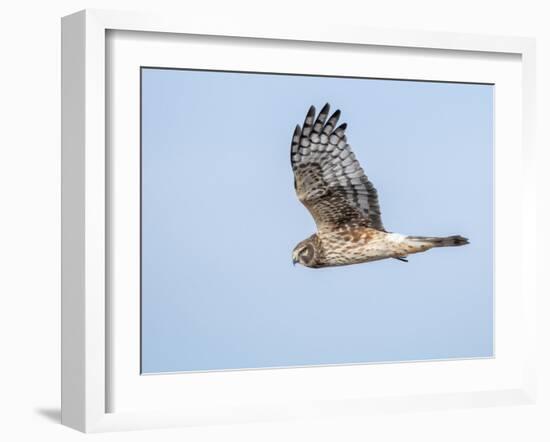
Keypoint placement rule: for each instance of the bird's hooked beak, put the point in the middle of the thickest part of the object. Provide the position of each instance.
(294, 261)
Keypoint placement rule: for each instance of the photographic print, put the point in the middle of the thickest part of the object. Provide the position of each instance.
(301, 220)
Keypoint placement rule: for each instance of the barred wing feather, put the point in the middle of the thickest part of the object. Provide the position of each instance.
(328, 179)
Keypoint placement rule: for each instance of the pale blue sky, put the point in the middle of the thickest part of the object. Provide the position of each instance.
(220, 220)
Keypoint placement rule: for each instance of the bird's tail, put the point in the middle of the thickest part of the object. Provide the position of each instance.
(446, 241)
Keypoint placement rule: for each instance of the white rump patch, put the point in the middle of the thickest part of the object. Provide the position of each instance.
(396, 237)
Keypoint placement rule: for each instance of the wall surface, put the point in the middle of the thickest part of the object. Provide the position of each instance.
(30, 217)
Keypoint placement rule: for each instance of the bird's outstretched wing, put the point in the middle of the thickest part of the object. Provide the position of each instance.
(328, 179)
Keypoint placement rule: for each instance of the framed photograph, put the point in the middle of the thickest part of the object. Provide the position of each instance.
(263, 223)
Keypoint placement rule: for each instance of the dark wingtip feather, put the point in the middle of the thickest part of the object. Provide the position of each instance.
(295, 141)
(343, 126)
(296, 137)
(309, 122)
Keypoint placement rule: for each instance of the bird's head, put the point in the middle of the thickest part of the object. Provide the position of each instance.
(307, 252)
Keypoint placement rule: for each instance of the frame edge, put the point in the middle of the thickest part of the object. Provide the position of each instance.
(73, 80)
(83, 384)
(83, 190)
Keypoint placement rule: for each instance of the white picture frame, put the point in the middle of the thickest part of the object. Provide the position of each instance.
(87, 357)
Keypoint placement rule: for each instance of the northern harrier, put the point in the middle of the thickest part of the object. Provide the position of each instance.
(344, 204)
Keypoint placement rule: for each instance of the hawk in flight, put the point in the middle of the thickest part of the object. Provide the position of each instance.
(343, 202)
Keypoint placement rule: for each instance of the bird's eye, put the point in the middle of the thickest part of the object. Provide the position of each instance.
(306, 254)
